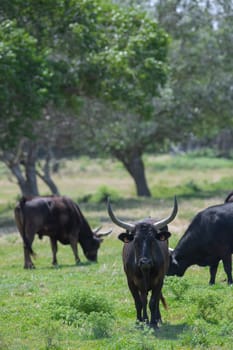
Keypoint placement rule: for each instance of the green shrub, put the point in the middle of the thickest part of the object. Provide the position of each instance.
(140, 340)
(96, 325)
(89, 312)
(103, 193)
(50, 336)
(178, 286)
(207, 308)
(225, 329)
(229, 313)
(100, 196)
(196, 336)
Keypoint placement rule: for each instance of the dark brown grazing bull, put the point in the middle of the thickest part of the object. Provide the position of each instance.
(60, 219)
(145, 259)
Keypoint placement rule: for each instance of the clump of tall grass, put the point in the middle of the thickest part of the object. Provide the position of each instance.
(207, 308)
(143, 339)
(101, 195)
(51, 337)
(190, 188)
(89, 312)
(196, 336)
(178, 286)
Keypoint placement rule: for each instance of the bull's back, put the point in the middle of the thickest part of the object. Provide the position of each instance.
(33, 215)
(210, 230)
(218, 224)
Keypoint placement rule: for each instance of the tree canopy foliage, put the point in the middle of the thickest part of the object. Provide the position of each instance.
(66, 52)
(24, 82)
(97, 49)
(200, 60)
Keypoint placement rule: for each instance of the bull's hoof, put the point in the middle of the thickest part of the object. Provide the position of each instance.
(29, 267)
(156, 323)
(78, 262)
(140, 324)
(55, 265)
(154, 326)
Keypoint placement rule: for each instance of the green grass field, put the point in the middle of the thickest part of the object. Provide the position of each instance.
(89, 306)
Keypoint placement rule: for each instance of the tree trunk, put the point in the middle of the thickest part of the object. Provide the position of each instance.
(49, 182)
(135, 166)
(30, 170)
(28, 187)
(22, 165)
(46, 176)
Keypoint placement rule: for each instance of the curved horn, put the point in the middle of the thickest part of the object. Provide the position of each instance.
(117, 221)
(103, 234)
(95, 230)
(166, 221)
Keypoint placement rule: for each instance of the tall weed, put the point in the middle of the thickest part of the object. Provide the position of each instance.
(178, 286)
(196, 336)
(90, 313)
(101, 195)
(207, 308)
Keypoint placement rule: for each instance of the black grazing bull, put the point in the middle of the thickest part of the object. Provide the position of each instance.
(146, 259)
(60, 219)
(208, 239)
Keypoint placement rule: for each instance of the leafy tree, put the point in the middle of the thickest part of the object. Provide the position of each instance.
(24, 82)
(122, 134)
(94, 50)
(34, 157)
(201, 68)
(198, 95)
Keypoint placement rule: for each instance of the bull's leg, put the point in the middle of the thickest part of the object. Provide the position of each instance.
(213, 271)
(137, 300)
(227, 264)
(53, 243)
(154, 306)
(28, 264)
(144, 306)
(74, 246)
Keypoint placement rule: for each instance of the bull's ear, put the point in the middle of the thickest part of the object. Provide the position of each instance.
(163, 235)
(126, 237)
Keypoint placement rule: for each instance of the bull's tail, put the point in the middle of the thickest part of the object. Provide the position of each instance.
(163, 301)
(26, 242)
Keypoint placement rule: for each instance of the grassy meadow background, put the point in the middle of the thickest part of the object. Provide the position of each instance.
(89, 306)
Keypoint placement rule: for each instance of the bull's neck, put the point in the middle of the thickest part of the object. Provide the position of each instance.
(85, 232)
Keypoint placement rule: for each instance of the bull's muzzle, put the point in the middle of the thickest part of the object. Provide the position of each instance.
(145, 263)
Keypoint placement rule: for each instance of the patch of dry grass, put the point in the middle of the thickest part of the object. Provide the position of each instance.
(83, 176)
